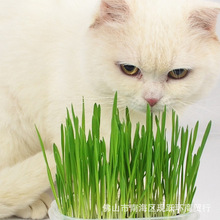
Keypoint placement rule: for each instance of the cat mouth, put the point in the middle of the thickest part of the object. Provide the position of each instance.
(154, 109)
(141, 107)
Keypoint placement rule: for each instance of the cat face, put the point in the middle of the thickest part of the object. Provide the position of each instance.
(154, 53)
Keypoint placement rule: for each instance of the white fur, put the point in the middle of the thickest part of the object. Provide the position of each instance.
(53, 52)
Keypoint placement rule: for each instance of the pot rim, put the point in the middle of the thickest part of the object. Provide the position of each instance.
(54, 211)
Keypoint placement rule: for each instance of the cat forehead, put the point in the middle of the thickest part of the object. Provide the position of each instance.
(159, 18)
(160, 8)
(157, 33)
(155, 49)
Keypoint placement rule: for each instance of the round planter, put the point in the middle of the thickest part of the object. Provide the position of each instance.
(55, 214)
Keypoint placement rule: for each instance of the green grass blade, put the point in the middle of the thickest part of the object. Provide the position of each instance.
(48, 170)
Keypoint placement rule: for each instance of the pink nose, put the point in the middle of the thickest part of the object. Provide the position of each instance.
(152, 102)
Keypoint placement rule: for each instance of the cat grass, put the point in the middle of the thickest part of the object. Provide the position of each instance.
(144, 175)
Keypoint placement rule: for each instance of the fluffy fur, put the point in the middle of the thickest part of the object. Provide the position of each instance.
(54, 52)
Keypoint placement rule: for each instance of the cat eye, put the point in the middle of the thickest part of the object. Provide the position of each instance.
(178, 73)
(130, 69)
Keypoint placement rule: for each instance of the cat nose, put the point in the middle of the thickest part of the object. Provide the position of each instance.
(152, 102)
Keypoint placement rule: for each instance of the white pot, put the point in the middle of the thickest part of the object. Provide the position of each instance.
(55, 214)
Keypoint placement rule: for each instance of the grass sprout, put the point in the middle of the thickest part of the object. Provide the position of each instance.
(142, 170)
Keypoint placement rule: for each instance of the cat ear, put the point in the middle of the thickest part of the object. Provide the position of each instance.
(112, 11)
(205, 18)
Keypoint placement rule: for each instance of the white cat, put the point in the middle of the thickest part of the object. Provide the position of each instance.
(53, 52)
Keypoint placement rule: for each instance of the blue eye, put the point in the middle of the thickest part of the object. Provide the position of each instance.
(178, 73)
